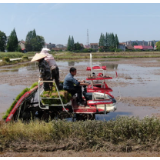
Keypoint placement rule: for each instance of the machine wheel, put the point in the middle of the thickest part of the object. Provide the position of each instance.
(64, 115)
(84, 117)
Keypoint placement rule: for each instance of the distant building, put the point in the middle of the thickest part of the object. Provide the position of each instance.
(64, 48)
(142, 43)
(59, 46)
(143, 47)
(150, 43)
(60, 49)
(129, 47)
(122, 46)
(50, 46)
(94, 46)
(56, 49)
(45, 45)
(22, 44)
(87, 46)
(81, 45)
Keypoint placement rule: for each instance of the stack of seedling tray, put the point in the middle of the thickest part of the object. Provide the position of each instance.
(65, 96)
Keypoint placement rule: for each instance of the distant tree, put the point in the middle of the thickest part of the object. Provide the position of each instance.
(34, 34)
(69, 44)
(34, 42)
(72, 42)
(77, 46)
(102, 41)
(112, 40)
(19, 48)
(29, 38)
(116, 41)
(158, 45)
(37, 43)
(12, 43)
(3, 40)
(107, 40)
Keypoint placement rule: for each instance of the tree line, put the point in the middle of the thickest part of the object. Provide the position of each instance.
(33, 42)
(107, 42)
(77, 47)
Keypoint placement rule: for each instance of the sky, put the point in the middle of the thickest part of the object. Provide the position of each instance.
(57, 21)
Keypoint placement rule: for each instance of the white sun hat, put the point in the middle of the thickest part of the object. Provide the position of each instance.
(38, 57)
(45, 49)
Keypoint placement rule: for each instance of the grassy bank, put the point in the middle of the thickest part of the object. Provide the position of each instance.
(106, 56)
(74, 56)
(71, 55)
(15, 54)
(120, 135)
(4, 63)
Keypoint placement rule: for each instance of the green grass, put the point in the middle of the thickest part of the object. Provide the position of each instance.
(106, 56)
(70, 55)
(124, 131)
(11, 54)
(15, 54)
(4, 63)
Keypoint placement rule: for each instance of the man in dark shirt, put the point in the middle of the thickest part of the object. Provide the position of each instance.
(44, 70)
(73, 86)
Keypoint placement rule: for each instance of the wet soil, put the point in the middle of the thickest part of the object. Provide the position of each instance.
(136, 90)
(87, 153)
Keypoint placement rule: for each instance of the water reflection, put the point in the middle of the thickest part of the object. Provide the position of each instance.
(71, 63)
(123, 109)
(9, 70)
(112, 115)
(19, 68)
(109, 65)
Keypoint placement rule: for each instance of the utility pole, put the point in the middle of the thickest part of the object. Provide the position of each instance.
(87, 37)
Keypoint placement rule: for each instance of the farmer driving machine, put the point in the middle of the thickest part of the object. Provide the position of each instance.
(56, 103)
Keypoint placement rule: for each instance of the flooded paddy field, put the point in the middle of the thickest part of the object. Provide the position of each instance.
(136, 88)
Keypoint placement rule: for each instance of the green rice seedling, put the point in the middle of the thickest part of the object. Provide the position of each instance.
(33, 85)
(65, 96)
(17, 98)
(14, 102)
(25, 58)
(5, 59)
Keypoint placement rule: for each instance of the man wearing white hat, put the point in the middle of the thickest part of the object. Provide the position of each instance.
(52, 63)
(44, 69)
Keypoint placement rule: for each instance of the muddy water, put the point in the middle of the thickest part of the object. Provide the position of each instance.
(125, 109)
(139, 82)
